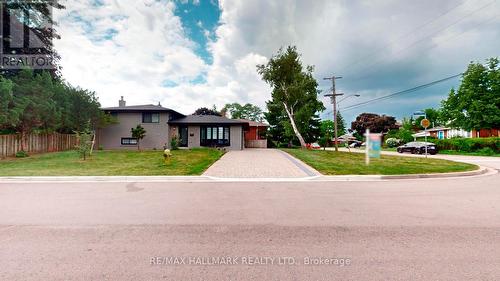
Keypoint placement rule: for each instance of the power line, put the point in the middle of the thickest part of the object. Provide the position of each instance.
(447, 39)
(401, 92)
(374, 63)
(403, 36)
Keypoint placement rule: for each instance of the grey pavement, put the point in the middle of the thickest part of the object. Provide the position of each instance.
(486, 161)
(433, 229)
(259, 163)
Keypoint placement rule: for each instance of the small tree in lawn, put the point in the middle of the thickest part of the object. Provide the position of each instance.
(138, 133)
(84, 143)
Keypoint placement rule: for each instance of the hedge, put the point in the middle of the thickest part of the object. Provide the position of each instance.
(469, 144)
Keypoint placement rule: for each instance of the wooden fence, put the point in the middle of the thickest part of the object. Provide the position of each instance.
(36, 143)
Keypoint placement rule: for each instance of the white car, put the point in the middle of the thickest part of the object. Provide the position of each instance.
(315, 145)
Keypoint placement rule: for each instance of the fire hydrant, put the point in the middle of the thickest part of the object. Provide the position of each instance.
(166, 155)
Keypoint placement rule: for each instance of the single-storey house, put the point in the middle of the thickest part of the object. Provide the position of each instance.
(447, 133)
(443, 133)
(163, 124)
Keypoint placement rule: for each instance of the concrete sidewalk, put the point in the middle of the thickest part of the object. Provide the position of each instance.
(259, 163)
(485, 161)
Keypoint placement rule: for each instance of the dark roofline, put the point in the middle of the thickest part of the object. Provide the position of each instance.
(140, 108)
(206, 120)
(254, 123)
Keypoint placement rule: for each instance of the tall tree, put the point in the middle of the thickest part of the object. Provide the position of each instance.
(33, 101)
(476, 104)
(247, 111)
(6, 99)
(376, 123)
(33, 105)
(294, 90)
(341, 127)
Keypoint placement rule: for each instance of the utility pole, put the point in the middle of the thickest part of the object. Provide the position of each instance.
(333, 98)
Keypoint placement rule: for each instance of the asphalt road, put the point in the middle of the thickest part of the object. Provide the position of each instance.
(428, 229)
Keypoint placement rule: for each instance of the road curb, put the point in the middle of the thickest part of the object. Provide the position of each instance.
(477, 172)
(166, 179)
(62, 179)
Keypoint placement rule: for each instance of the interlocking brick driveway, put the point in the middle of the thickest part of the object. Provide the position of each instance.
(259, 163)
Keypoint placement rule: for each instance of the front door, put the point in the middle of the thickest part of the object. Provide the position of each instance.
(183, 136)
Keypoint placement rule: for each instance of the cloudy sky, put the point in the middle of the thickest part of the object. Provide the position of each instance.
(192, 53)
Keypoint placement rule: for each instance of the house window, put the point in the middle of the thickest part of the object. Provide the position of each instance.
(129, 141)
(148, 117)
(214, 136)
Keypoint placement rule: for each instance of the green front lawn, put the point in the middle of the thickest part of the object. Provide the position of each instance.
(112, 163)
(346, 163)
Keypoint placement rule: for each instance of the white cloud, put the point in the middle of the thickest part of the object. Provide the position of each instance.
(374, 44)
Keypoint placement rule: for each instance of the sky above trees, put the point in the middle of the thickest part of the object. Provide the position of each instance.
(193, 53)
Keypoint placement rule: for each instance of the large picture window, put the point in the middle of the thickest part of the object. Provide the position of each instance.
(214, 136)
(148, 117)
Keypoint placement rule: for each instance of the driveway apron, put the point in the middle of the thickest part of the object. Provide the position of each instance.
(259, 163)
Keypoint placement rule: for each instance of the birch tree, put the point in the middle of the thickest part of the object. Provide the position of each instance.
(293, 88)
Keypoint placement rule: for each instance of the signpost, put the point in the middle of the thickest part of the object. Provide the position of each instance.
(373, 146)
(425, 123)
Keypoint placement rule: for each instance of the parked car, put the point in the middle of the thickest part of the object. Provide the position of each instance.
(313, 145)
(355, 144)
(418, 147)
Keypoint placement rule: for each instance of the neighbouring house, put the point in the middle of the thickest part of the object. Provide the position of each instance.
(447, 133)
(162, 124)
(443, 133)
(255, 135)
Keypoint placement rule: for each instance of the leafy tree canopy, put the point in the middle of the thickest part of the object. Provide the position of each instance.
(376, 123)
(247, 111)
(476, 103)
(207, 111)
(433, 115)
(33, 101)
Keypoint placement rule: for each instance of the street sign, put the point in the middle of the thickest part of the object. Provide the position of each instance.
(425, 123)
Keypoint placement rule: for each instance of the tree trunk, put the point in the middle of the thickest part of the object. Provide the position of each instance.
(23, 140)
(295, 130)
